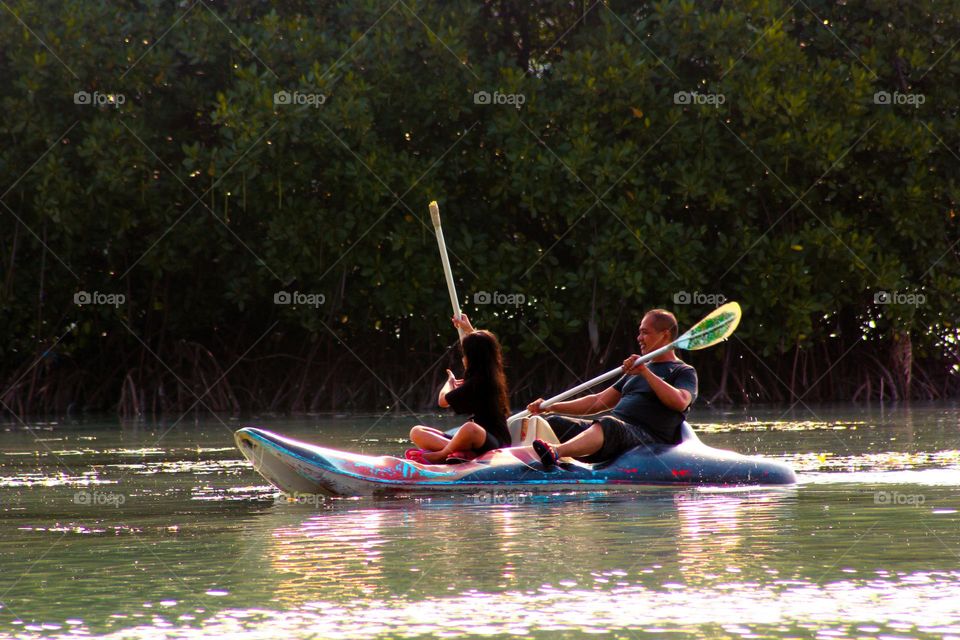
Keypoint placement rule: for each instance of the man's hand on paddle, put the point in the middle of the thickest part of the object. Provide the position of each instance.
(633, 370)
(534, 407)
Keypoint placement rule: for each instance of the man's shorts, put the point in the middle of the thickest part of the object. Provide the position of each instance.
(618, 436)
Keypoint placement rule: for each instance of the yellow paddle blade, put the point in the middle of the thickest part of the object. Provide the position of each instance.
(717, 326)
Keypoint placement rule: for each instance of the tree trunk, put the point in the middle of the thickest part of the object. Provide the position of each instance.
(902, 361)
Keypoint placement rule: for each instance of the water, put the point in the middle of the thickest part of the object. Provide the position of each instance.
(115, 531)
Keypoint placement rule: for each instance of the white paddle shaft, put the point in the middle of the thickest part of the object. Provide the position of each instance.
(447, 272)
(603, 377)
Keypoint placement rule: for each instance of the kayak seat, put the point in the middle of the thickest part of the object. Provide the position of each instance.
(687, 433)
(526, 430)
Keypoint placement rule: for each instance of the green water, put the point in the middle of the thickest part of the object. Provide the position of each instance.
(147, 531)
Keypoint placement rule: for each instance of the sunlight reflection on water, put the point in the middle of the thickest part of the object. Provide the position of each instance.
(184, 540)
(866, 608)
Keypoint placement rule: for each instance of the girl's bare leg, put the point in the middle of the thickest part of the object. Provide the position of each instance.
(428, 438)
(469, 436)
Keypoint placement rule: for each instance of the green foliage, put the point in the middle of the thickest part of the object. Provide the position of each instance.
(199, 197)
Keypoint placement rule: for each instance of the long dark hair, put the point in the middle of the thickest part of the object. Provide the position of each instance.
(485, 362)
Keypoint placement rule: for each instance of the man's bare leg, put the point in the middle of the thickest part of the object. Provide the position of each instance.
(584, 444)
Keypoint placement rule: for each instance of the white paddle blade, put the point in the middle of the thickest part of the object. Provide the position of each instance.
(717, 326)
(435, 214)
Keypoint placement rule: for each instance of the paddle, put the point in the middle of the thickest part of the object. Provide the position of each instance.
(717, 326)
(435, 216)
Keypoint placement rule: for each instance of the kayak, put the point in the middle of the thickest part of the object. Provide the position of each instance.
(297, 467)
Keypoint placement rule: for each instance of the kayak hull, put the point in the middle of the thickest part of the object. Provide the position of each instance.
(297, 467)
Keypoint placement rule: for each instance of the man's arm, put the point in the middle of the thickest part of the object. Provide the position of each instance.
(676, 399)
(585, 406)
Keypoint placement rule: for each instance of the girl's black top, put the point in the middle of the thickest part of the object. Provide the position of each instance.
(477, 397)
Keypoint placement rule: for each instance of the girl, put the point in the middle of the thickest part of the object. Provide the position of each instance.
(482, 392)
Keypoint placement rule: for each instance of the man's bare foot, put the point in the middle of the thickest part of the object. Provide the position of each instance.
(547, 452)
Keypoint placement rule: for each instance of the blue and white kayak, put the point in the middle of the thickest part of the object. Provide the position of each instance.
(297, 467)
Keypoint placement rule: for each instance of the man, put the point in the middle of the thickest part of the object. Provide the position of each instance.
(649, 403)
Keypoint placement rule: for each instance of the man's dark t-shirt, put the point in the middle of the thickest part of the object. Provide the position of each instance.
(640, 406)
(478, 398)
